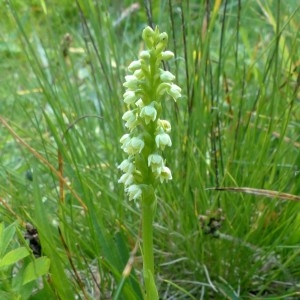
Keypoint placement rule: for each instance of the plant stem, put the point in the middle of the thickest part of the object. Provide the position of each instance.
(148, 257)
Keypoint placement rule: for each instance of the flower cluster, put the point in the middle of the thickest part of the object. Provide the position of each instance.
(148, 134)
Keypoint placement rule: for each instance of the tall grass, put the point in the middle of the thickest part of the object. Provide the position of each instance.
(235, 126)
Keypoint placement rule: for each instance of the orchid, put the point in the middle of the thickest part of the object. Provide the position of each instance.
(148, 136)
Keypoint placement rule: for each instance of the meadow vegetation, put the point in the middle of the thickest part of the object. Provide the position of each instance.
(227, 225)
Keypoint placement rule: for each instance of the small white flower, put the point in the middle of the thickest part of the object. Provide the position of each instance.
(162, 140)
(130, 118)
(128, 115)
(155, 161)
(149, 113)
(125, 139)
(174, 91)
(165, 174)
(166, 55)
(126, 178)
(166, 76)
(129, 97)
(134, 146)
(139, 103)
(134, 191)
(164, 125)
(135, 65)
(126, 166)
(162, 88)
(131, 82)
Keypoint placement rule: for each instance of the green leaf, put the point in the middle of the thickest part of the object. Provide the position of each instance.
(6, 295)
(36, 268)
(14, 256)
(25, 291)
(6, 235)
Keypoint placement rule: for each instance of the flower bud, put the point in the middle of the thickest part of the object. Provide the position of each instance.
(139, 74)
(166, 55)
(135, 65)
(163, 41)
(145, 54)
(148, 35)
(166, 76)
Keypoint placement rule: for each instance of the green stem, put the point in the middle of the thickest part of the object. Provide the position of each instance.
(148, 257)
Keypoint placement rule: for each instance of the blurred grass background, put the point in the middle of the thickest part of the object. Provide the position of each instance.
(237, 125)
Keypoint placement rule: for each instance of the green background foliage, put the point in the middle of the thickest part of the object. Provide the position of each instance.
(237, 125)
